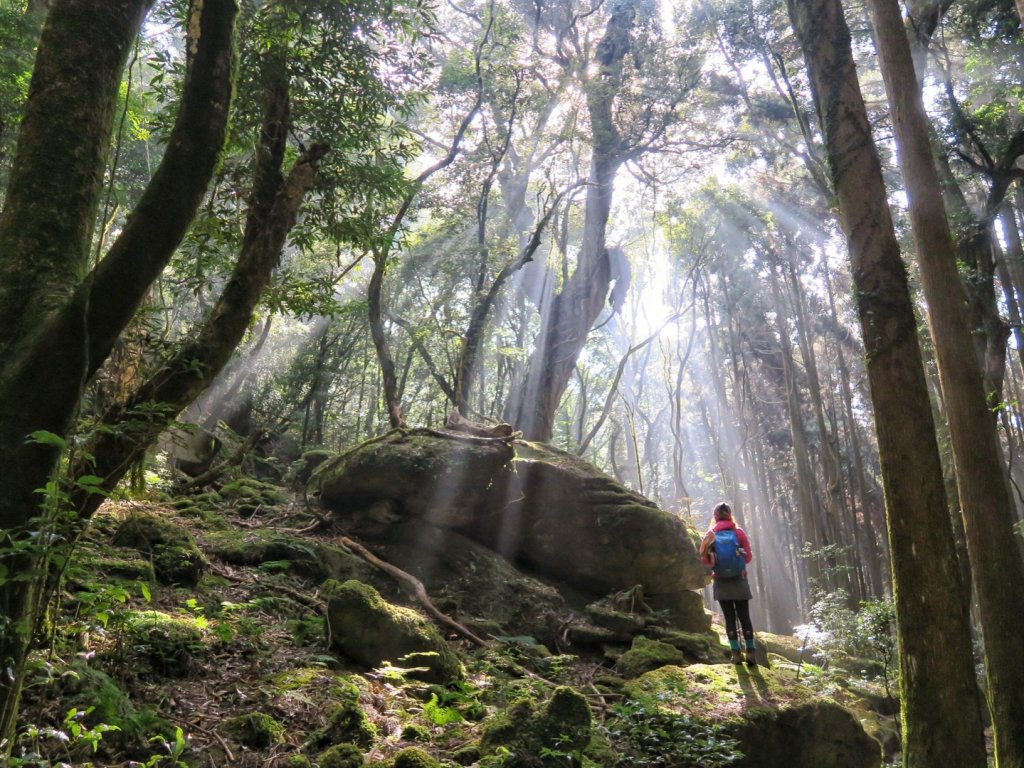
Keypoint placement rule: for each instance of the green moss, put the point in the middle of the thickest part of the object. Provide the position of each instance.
(256, 729)
(370, 631)
(466, 755)
(646, 655)
(696, 645)
(176, 558)
(415, 732)
(171, 644)
(341, 756)
(92, 563)
(504, 727)
(566, 719)
(297, 761)
(335, 686)
(347, 723)
(413, 757)
(560, 729)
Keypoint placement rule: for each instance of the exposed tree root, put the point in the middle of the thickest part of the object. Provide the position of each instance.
(416, 587)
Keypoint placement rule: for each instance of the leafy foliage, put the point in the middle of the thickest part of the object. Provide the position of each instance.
(652, 737)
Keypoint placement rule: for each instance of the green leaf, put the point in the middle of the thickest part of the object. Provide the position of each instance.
(42, 437)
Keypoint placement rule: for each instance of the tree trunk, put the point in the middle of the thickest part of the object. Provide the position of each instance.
(985, 500)
(941, 721)
(273, 208)
(566, 326)
(58, 329)
(811, 524)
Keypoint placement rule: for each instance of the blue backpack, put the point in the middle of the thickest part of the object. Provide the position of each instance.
(729, 563)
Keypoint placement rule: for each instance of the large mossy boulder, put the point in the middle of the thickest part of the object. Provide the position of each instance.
(536, 506)
(777, 722)
(370, 631)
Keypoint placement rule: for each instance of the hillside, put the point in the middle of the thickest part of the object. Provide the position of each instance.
(206, 627)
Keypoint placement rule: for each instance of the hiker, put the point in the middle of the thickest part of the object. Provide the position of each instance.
(726, 549)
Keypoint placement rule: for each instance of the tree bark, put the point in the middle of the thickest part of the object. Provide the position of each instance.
(53, 340)
(985, 500)
(941, 721)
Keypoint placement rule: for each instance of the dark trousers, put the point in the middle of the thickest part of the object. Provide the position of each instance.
(738, 609)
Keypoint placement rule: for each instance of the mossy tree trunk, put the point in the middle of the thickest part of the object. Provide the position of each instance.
(60, 317)
(131, 428)
(985, 499)
(939, 696)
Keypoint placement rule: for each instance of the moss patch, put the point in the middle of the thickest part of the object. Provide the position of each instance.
(176, 558)
(256, 729)
(341, 756)
(172, 644)
(646, 655)
(413, 757)
(559, 729)
(776, 720)
(347, 723)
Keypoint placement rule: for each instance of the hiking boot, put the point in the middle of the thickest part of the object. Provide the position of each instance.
(737, 658)
(751, 659)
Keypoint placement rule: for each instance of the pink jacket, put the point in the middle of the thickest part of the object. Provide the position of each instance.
(709, 537)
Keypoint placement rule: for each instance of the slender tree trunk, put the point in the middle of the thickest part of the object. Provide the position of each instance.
(811, 526)
(941, 721)
(273, 208)
(985, 500)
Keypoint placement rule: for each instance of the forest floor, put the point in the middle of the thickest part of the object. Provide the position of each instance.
(237, 670)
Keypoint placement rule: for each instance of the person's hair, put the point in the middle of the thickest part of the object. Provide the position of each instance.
(722, 511)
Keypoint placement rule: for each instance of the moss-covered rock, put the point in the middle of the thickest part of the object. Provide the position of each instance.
(415, 732)
(310, 559)
(469, 581)
(466, 755)
(297, 761)
(303, 468)
(341, 756)
(695, 645)
(775, 720)
(176, 558)
(791, 648)
(172, 644)
(413, 757)
(255, 729)
(618, 621)
(533, 504)
(346, 723)
(369, 630)
(249, 496)
(645, 655)
(540, 736)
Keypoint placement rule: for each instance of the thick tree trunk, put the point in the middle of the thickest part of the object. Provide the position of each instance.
(566, 324)
(44, 242)
(941, 720)
(57, 330)
(985, 500)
